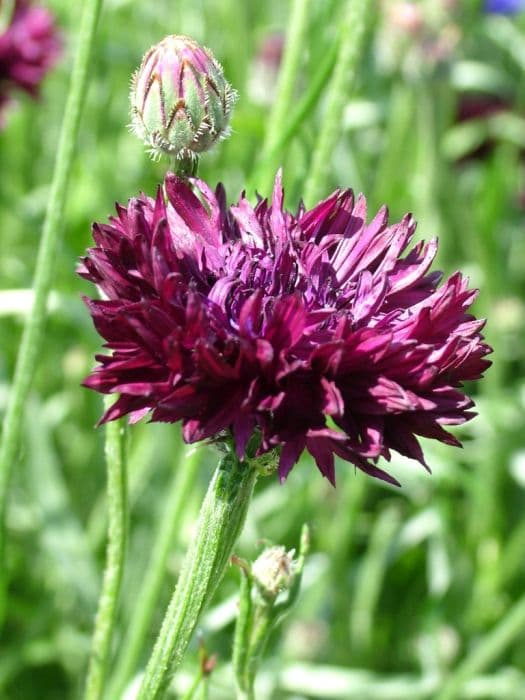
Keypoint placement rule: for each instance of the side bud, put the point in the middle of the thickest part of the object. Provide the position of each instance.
(269, 588)
(273, 572)
(180, 101)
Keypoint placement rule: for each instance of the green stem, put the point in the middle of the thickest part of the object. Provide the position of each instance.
(486, 652)
(220, 522)
(186, 166)
(149, 594)
(115, 557)
(261, 633)
(370, 578)
(350, 43)
(190, 694)
(243, 629)
(287, 81)
(257, 618)
(31, 343)
(192, 690)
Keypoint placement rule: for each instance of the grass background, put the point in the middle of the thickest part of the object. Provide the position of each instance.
(402, 586)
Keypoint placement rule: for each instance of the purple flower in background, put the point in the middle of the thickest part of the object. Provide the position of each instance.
(316, 330)
(29, 47)
(504, 7)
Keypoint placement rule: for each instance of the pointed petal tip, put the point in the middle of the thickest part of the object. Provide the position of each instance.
(278, 192)
(331, 479)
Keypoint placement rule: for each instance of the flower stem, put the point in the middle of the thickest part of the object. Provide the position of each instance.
(190, 694)
(243, 630)
(261, 633)
(115, 556)
(149, 594)
(220, 522)
(259, 616)
(31, 343)
(350, 44)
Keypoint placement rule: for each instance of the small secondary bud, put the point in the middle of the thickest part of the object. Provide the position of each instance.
(180, 101)
(273, 571)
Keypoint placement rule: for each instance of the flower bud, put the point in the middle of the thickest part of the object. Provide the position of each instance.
(273, 571)
(180, 101)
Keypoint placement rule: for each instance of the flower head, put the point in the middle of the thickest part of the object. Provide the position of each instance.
(180, 101)
(29, 47)
(315, 330)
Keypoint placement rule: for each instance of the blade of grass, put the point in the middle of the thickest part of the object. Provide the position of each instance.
(273, 157)
(492, 646)
(370, 579)
(350, 44)
(398, 147)
(293, 52)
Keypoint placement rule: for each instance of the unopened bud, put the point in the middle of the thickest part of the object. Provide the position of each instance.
(180, 101)
(273, 571)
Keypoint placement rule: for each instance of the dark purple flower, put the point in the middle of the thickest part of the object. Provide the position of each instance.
(314, 329)
(29, 47)
(504, 7)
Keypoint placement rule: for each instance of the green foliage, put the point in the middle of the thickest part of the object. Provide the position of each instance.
(402, 588)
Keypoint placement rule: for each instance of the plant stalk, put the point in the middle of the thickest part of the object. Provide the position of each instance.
(149, 594)
(115, 558)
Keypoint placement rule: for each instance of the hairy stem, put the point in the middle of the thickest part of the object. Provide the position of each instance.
(220, 522)
(136, 635)
(115, 557)
(243, 630)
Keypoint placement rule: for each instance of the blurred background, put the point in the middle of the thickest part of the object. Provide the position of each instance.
(403, 586)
